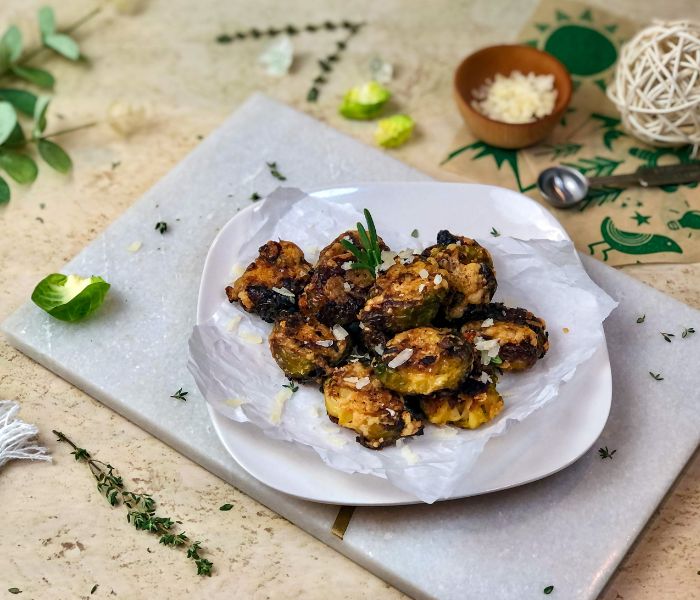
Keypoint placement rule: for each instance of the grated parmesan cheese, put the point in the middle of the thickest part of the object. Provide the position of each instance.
(517, 98)
(347, 287)
(423, 274)
(362, 383)
(444, 432)
(346, 266)
(250, 337)
(487, 323)
(236, 402)
(233, 323)
(134, 247)
(438, 279)
(338, 441)
(339, 332)
(280, 398)
(325, 343)
(312, 249)
(421, 287)
(236, 271)
(284, 292)
(401, 358)
(328, 428)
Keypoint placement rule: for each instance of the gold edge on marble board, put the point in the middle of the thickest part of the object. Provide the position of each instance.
(340, 526)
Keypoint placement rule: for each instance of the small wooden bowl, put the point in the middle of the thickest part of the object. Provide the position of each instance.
(483, 65)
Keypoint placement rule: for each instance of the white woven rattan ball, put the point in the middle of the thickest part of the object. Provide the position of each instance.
(657, 84)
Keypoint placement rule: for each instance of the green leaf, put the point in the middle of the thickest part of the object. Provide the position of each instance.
(40, 107)
(226, 507)
(21, 100)
(4, 192)
(18, 166)
(37, 76)
(8, 120)
(16, 137)
(47, 21)
(55, 156)
(11, 45)
(63, 45)
(14, 591)
(548, 590)
(70, 298)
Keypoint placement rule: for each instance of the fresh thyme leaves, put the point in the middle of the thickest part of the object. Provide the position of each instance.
(14, 591)
(161, 227)
(641, 319)
(686, 331)
(274, 172)
(180, 395)
(39, 219)
(548, 590)
(657, 376)
(116, 164)
(94, 588)
(370, 256)
(255, 197)
(414, 233)
(604, 453)
(292, 386)
(226, 507)
(667, 336)
(494, 233)
(141, 508)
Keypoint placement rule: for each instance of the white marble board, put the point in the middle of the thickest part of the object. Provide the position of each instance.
(570, 530)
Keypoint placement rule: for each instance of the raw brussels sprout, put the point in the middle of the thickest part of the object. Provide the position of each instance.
(423, 360)
(271, 284)
(393, 131)
(403, 297)
(365, 101)
(522, 338)
(469, 406)
(357, 400)
(306, 349)
(336, 294)
(70, 298)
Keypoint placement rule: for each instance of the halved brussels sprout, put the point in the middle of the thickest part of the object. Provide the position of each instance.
(423, 360)
(306, 349)
(365, 101)
(394, 131)
(404, 297)
(469, 406)
(336, 293)
(470, 271)
(522, 338)
(271, 284)
(70, 298)
(357, 400)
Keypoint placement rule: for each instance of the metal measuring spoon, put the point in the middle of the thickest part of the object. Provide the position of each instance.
(563, 187)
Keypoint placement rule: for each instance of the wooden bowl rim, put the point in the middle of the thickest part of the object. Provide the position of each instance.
(568, 91)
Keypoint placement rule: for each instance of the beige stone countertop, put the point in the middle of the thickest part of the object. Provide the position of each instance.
(58, 537)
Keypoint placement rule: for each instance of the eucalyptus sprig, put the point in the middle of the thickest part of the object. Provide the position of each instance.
(368, 257)
(141, 507)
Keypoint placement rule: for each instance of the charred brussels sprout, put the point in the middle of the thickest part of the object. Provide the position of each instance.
(470, 271)
(404, 297)
(306, 349)
(270, 285)
(336, 293)
(522, 338)
(356, 399)
(469, 406)
(424, 360)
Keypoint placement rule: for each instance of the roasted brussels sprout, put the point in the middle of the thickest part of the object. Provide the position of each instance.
(522, 338)
(404, 297)
(336, 293)
(469, 406)
(470, 271)
(423, 360)
(270, 285)
(356, 399)
(306, 349)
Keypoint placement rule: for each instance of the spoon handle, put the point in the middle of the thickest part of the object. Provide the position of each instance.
(651, 176)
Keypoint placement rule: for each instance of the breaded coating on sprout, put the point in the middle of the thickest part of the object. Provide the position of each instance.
(356, 399)
(424, 360)
(472, 404)
(306, 349)
(271, 284)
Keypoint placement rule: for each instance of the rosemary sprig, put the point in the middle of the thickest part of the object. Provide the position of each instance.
(494, 233)
(141, 507)
(368, 257)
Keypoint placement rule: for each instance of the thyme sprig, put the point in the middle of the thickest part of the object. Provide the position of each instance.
(667, 336)
(141, 507)
(605, 453)
(686, 331)
(368, 257)
(275, 172)
(180, 395)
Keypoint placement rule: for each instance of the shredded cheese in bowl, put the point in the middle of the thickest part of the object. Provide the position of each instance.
(517, 98)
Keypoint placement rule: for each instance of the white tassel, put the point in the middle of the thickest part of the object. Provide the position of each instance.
(16, 436)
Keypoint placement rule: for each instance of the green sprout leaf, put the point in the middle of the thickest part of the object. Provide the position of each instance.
(70, 298)
(21, 100)
(11, 45)
(394, 131)
(641, 319)
(226, 507)
(63, 45)
(18, 166)
(55, 156)
(4, 192)
(8, 120)
(365, 101)
(47, 21)
(42, 104)
(36, 76)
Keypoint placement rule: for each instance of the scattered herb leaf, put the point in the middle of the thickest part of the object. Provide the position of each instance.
(641, 319)
(94, 588)
(116, 164)
(548, 590)
(657, 376)
(604, 453)
(226, 507)
(39, 219)
(274, 172)
(292, 386)
(686, 331)
(667, 336)
(370, 256)
(255, 197)
(161, 227)
(497, 360)
(414, 233)
(180, 395)
(14, 591)
(494, 233)
(42, 205)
